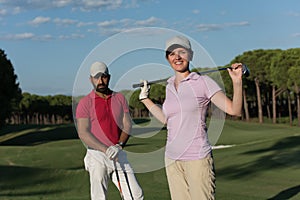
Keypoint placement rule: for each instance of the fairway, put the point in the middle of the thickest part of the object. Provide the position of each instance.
(46, 162)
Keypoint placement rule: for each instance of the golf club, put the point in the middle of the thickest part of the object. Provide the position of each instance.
(245, 70)
(118, 179)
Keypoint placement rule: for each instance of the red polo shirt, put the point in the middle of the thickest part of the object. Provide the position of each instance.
(105, 115)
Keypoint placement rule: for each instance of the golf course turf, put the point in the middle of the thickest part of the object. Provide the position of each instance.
(261, 161)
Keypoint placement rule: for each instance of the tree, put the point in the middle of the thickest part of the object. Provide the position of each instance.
(10, 93)
(259, 60)
(294, 82)
(61, 108)
(278, 75)
(35, 109)
(25, 105)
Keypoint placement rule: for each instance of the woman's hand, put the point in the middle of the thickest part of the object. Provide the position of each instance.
(236, 72)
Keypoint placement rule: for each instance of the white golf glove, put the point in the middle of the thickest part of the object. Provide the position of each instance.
(144, 91)
(112, 151)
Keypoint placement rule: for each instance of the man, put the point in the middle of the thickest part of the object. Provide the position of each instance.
(104, 125)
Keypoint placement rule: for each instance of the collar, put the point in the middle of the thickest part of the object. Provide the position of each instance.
(93, 95)
(191, 76)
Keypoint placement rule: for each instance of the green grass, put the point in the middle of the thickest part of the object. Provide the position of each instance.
(264, 164)
(46, 162)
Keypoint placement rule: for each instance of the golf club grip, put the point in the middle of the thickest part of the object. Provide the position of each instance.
(245, 70)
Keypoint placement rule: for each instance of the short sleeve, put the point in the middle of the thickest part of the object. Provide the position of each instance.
(212, 86)
(82, 110)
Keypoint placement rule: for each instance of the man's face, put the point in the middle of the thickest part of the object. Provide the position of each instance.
(100, 82)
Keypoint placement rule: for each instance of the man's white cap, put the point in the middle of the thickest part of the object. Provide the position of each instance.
(98, 67)
(177, 41)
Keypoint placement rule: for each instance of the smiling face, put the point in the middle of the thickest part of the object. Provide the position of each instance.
(179, 59)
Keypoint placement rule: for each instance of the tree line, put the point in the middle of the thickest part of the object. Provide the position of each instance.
(35, 109)
(274, 83)
(272, 91)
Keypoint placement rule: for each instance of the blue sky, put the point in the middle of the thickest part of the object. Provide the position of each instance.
(48, 42)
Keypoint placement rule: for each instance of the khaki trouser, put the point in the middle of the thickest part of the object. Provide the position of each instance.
(101, 169)
(191, 180)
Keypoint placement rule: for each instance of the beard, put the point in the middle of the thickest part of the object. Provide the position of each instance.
(102, 88)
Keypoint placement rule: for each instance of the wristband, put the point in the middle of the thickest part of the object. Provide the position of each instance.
(121, 144)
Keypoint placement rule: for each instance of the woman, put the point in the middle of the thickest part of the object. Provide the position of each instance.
(188, 156)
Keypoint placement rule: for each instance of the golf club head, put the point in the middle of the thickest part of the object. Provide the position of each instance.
(245, 70)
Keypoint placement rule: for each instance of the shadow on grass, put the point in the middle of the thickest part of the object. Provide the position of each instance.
(42, 134)
(285, 153)
(39, 134)
(140, 120)
(145, 130)
(287, 194)
(27, 181)
(17, 128)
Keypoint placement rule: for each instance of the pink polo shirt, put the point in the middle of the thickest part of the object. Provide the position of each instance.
(105, 115)
(186, 109)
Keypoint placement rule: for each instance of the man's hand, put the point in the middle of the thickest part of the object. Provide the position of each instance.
(144, 91)
(112, 151)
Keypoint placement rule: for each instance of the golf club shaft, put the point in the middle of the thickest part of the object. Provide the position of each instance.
(118, 179)
(149, 82)
(244, 69)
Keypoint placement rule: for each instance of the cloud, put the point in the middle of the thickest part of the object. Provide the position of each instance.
(115, 26)
(58, 21)
(64, 22)
(209, 27)
(243, 23)
(35, 4)
(26, 36)
(147, 22)
(46, 37)
(82, 24)
(296, 35)
(294, 14)
(107, 27)
(43, 38)
(39, 20)
(216, 27)
(3, 12)
(108, 23)
(20, 36)
(87, 5)
(195, 11)
(83, 5)
(72, 36)
(61, 3)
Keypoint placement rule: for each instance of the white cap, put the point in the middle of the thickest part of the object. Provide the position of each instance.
(98, 67)
(178, 41)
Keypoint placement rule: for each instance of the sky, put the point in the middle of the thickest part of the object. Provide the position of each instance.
(51, 44)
